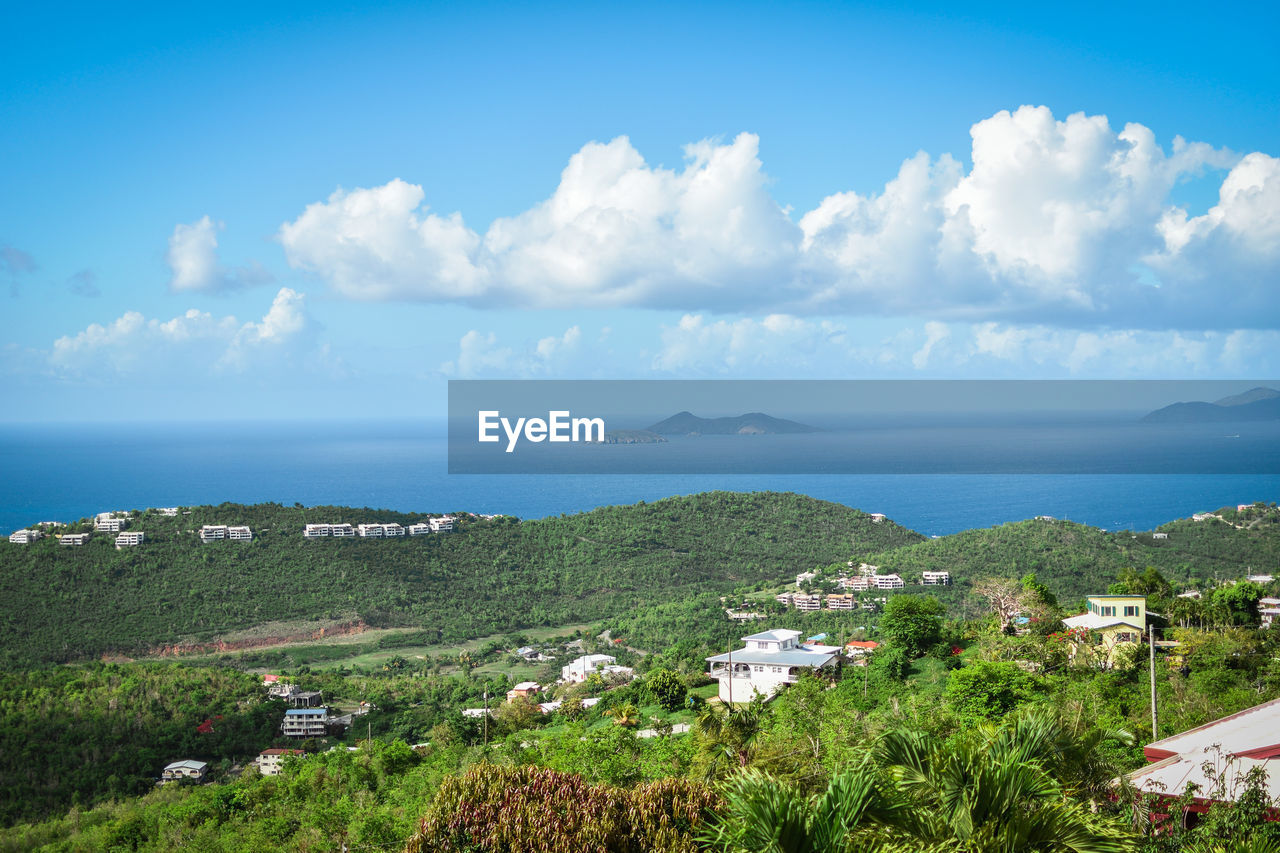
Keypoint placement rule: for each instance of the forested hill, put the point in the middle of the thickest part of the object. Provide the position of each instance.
(67, 603)
(1075, 560)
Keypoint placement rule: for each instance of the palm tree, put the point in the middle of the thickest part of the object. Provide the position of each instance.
(762, 815)
(989, 794)
(727, 734)
(993, 792)
(624, 715)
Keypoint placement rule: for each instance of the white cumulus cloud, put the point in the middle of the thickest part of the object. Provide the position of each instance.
(1066, 222)
(192, 341)
(193, 261)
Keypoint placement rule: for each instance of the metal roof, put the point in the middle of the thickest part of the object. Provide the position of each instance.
(777, 635)
(789, 657)
(1249, 730)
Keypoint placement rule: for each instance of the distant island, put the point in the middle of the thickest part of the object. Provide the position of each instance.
(752, 423)
(1257, 404)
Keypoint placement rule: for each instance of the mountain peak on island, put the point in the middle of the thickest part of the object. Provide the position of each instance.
(1253, 395)
(752, 423)
(1256, 404)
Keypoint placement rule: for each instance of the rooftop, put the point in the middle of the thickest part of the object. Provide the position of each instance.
(1255, 730)
(777, 635)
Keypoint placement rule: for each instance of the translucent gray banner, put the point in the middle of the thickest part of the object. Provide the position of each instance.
(863, 427)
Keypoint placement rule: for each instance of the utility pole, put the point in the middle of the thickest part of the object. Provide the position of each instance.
(1151, 648)
(486, 718)
(730, 675)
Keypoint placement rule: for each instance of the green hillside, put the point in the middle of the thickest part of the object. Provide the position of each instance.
(1075, 560)
(489, 576)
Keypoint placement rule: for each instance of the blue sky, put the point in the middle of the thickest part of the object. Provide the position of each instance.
(325, 210)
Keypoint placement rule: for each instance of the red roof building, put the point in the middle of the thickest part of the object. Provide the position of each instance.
(1231, 746)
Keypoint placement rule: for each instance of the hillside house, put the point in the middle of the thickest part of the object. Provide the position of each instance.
(372, 531)
(239, 534)
(1159, 535)
(306, 698)
(1268, 610)
(845, 601)
(305, 722)
(443, 524)
(523, 690)
(270, 761)
(769, 660)
(392, 529)
(804, 577)
(316, 531)
(73, 539)
(579, 668)
(1111, 622)
(110, 524)
(1249, 738)
(130, 538)
(860, 648)
(806, 603)
(936, 578)
(184, 770)
(888, 582)
(24, 536)
(341, 530)
(1261, 579)
(213, 532)
(877, 517)
(419, 529)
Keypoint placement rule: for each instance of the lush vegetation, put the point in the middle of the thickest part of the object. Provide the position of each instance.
(489, 576)
(971, 728)
(1076, 560)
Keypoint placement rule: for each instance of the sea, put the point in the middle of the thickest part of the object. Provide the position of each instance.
(64, 472)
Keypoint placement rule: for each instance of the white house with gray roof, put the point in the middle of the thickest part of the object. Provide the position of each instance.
(769, 660)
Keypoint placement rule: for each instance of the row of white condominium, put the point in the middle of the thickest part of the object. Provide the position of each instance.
(215, 532)
(379, 531)
(125, 538)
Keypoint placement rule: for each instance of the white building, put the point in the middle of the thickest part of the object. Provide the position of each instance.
(340, 530)
(371, 531)
(213, 532)
(1268, 610)
(888, 582)
(443, 524)
(179, 770)
(936, 578)
(877, 517)
(109, 524)
(803, 577)
(24, 536)
(392, 529)
(168, 511)
(239, 534)
(846, 601)
(73, 539)
(858, 584)
(419, 529)
(130, 538)
(305, 722)
(806, 603)
(769, 660)
(579, 668)
(476, 713)
(1264, 579)
(1159, 535)
(316, 531)
(270, 761)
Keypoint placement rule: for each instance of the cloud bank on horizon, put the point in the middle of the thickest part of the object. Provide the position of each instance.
(1062, 223)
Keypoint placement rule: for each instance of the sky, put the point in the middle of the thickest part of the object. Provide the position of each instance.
(327, 210)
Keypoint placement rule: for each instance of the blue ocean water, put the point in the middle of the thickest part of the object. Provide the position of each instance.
(66, 472)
